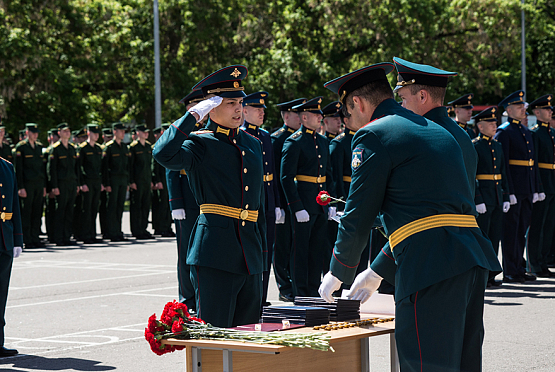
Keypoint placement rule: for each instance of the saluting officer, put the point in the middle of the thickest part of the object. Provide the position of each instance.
(305, 170)
(90, 161)
(518, 149)
(5, 149)
(462, 107)
(107, 136)
(225, 169)
(63, 177)
(283, 241)
(492, 187)
(161, 214)
(253, 112)
(542, 224)
(411, 171)
(115, 178)
(140, 178)
(30, 170)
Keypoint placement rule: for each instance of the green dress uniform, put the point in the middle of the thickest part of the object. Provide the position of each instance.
(90, 161)
(11, 230)
(412, 171)
(140, 174)
(115, 174)
(31, 175)
(225, 170)
(63, 174)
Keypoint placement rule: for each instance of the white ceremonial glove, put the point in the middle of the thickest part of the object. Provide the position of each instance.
(535, 197)
(512, 199)
(541, 196)
(178, 214)
(506, 207)
(302, 216)
(278, 213)
(17, 251)
(329, 285)
(364, 286)
(481, 208)
(281, 219)
(203, 107)
(332, 211)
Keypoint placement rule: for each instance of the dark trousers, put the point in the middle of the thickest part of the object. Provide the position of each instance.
(491, 224)
(102, 214)
(49, 217)
(31, 212)
(270, 235)
(6, 261)
(513, 240)
(183, 232)
(77, 226)
(328, 251)
(282, 256)
(161, 214)
(440, 328)
(91, 200)
(540, 235)
(139, 209)
(114, 208)
(63, 215)
(226, 299)
(309, 242)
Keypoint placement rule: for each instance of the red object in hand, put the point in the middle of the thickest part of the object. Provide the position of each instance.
(323, 198)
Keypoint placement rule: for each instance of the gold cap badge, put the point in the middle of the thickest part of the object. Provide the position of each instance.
(235, 73)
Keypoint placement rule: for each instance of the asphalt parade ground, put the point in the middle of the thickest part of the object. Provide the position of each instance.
(84, 308)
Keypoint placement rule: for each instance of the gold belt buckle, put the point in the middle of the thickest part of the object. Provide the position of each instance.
(530, 162)
(3, 216)
(244, 214)
(319, 179)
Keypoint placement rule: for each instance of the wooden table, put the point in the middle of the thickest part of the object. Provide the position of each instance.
(351, 353)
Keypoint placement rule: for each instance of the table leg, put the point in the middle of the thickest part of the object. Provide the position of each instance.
(228, 360)
(365, 354)
(197, 359)
(393, 354)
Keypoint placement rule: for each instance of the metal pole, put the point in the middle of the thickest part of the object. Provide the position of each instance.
(523, 52)
(157, 84)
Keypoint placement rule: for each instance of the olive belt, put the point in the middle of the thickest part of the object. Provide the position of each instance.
(5, 216)
(311, 179)
(268, 178)
(524, 163)
(427, 223)
(488, 177)
(546, 166)
(347, 178)
(222, 210)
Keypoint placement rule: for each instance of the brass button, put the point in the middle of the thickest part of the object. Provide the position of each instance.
(243, 223)
(268, 183)
(245, 170)
(247, 206)
(319, 156)
(3, 196)
(263, 152)
(493, 158)
(266, 163)
(243, 153)
(246, 188)
(316, 146)
(234, 140)
(321, 166)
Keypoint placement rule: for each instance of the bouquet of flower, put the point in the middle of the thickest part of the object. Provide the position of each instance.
(324, 198)
(176, 322)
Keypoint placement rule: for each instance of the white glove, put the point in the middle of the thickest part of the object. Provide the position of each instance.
(329, 285)
(365, 284)
(535, 197)
(512, 199)
(481, 208)
(302, 216)
(17, 251)
(541, 196)
(281, 219)
(178, 214)
(204, 107)
(332, 211)
(278, 213)
(506, 207)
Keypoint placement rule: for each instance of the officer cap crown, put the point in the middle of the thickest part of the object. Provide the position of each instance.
(313, 105)
(193, 97)
(166, 126)
(157, 130)
(53, 131)
(93, 128)
(118, 125)
(489, 114)
(544, 102)
(463, 101)
(332, 110)
(225, 82)
(107, 131)
(409, 73)
(288, 106)
(515, 98)
(350, 82)
(81, 132)
(142, 128)
(257, 99)
(32, 127)
(63, 126)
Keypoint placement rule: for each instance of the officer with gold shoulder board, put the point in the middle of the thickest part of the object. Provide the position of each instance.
(462, 107)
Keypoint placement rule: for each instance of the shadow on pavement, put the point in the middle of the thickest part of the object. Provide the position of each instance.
(39, 363)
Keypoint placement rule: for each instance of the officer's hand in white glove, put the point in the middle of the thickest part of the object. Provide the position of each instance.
(329, 285)
(535, 197)
(365, 284)
(302, 216)
(541, 196)
(204, 107)
(481, 208)
(178, 214)
(17, 251)
(506, 207)
(277, 212)
(281, 218)
(332, 211)
(512, 199)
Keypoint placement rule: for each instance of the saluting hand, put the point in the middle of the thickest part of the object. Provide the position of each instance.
(202, 108)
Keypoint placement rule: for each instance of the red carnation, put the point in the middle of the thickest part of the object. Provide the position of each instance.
(323, 198)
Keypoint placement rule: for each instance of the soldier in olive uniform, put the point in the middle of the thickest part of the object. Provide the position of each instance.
(140, 178)
(5, 149)
(107, 136)
(115, 178)
(224, 167)
(63, 177)
(50, 200)
(161, 214)
(462, 107)
(542, 224)
(90, 160)
(31, 179)
(411, 170)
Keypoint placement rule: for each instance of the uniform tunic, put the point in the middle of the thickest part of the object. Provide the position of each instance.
(6, 152)
(90, 164)
(140, 173)
(161, 214)
(115, 174)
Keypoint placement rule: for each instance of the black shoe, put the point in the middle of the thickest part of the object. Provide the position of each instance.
(61, 244)
(513, 279)
(494, 283)
(98, 241)
(267, 303)
(545, 274)
(168, 234)
(4, 353)
(70, 242)
(286, 297)
(528, 277)
(88, 241)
